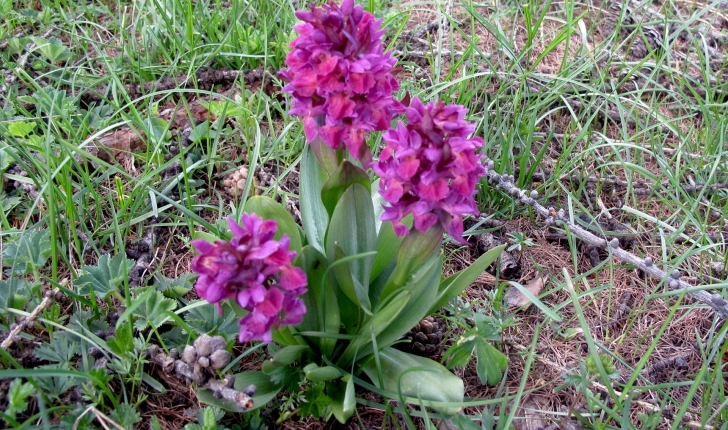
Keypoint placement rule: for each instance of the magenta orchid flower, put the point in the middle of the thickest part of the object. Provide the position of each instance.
(256, 271)
(429, 168)
(340, 77)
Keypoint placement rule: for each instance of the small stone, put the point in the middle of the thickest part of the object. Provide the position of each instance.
(219, 359)
(203, 361)
(562, 213)
(648, 261)
(675, 274)
(674, 283)
(534, 194)
(217, 343)
(614, 243)
(189, 355)
(203, 345)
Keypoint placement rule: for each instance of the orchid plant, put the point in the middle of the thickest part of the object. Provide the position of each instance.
(336, 294)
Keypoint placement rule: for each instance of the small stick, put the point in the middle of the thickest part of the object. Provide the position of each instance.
(554, 217)
(25, 322)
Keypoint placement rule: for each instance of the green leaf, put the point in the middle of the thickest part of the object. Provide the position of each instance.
(125, 415)
(265, 391)
(321, 374)
(53, 49)
(152, 312)
(60, 350)
(322, 310)
(21, 128)
(438, 384)
(345, 176)
(17, 44)
(456, 283)
(6, 6)
(416, 247)
(325, 155)
(29, 249)
(491, 362)
(14, 293)
(18, 393)
(105, 277)
(123, 341)
(343, 398)
(6, 160)
(267, 208)
(423, 287)
(314, 217)
(352, 288)
(378, 323)
(174, 287)
(283, 357)
(207, 319)
(387, 246)
(352, 228)
(157, 129)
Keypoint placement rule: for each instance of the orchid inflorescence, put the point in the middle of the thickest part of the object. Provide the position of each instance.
(342, 85)
(256, 271)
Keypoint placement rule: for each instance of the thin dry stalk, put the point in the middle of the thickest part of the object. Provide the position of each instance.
(554, 217)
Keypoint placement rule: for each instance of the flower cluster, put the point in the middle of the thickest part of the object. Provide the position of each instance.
(429, 168)
(256, 271)
(340, 78)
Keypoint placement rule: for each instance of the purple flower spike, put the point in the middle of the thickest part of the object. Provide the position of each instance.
(429, 168)
(340, 77)
(256, 271)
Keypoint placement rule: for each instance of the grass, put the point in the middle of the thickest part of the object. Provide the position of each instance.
(556, 90)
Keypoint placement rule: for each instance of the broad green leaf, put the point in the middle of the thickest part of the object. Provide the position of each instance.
(361, 345)
(491, 362)
(105, 277)
(314, 217)
(31, 248)
(314, 263)
(14, 293)
(387, 246)
(17, 44)
(289, 354)
(438, 384)
(6, 6)
(53, 49)
(21, 128)
(352, 288)
(152, 312)
(325, 155)
(59, 350)
(207, 319)
(352, 228)
(267, 208)
(265, 391)
(6, 160)
(18, 393)
(174, 287)
(207, 237)
(157, 129)
(345, 176)
(416, 247)
(343, 398)
(321, 374)
(458, 282)
(423, 286)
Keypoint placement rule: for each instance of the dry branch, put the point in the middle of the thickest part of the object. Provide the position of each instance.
(25, 322)
(559, 217)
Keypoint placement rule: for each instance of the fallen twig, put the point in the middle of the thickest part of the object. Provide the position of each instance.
(25, 322)
(554, 217)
